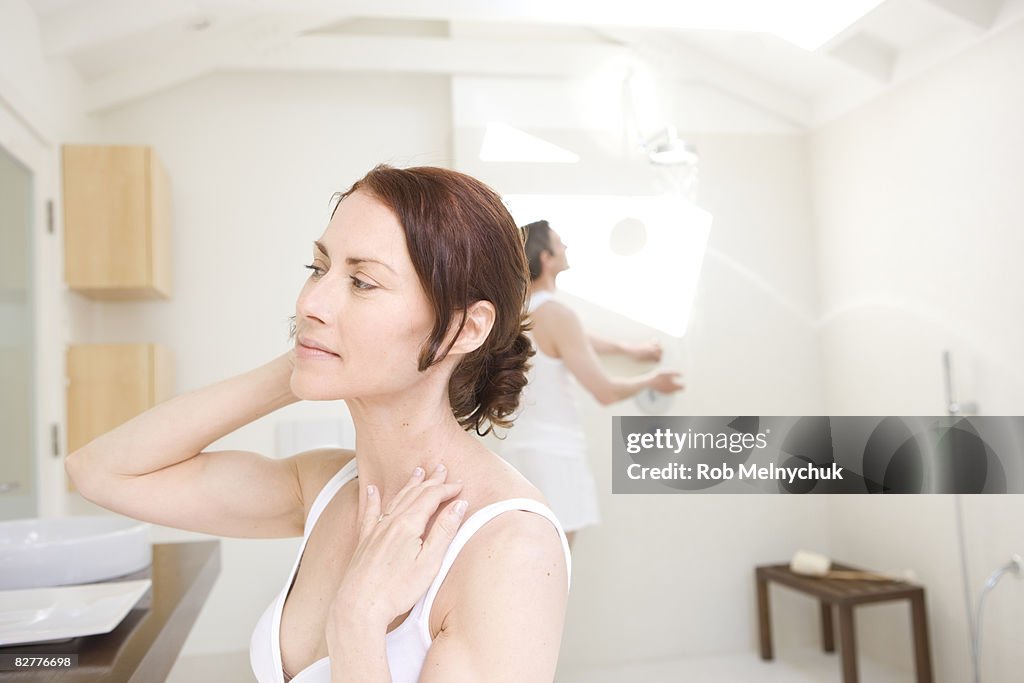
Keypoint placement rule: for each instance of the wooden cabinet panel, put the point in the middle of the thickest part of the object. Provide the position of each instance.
(117, 222)
(109, 384)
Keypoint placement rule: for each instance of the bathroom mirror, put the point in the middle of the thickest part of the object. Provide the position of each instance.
(17, 475)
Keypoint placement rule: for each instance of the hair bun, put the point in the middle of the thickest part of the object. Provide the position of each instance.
(496, 382)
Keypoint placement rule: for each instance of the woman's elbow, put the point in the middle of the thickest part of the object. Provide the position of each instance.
(72, 466)
(606, 397)
(76, 469)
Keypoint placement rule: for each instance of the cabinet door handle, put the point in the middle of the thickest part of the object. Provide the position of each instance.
(9, 486)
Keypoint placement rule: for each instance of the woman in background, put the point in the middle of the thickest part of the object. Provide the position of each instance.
(547, 443)
(413, 314)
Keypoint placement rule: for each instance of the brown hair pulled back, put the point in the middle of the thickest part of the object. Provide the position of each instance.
(538, 241)
(465, 247)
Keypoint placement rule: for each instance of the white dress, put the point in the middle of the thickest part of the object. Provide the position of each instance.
(408, 644)
(546, 442)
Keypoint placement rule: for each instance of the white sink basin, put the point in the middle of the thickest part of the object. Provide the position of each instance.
(37, 553)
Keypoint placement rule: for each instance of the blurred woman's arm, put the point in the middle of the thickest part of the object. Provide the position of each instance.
(637, 351)
(562, 326)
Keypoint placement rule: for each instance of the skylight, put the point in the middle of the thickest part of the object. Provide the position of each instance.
(806, 23)
(502, 142)
(812, 27)
(638, 256)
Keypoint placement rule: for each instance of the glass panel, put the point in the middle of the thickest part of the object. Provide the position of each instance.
(17, 361)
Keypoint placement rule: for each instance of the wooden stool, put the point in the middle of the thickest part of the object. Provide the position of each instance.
(845, 594)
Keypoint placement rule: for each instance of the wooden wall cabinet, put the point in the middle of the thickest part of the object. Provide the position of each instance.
(117, 222)
(108, 384)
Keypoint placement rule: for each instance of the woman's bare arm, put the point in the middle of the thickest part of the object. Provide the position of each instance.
(559, 324)
(506, 625)
(650, 351)
(151, 467)
(604, 345)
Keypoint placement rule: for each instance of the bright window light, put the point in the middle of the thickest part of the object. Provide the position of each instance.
(811, 30)
(807, 23)
(502, 142)
(639, 257)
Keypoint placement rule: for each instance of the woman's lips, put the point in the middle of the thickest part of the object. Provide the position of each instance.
(303, 351)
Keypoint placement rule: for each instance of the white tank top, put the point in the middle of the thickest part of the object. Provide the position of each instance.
(548, 419)
(407, 645)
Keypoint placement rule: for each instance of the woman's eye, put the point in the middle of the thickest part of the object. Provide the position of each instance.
(317, 271)
(359, 284)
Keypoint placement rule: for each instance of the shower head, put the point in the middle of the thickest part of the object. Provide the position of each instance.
(666, 149)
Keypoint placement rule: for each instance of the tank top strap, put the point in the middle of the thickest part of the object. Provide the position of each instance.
(466, 531)
(340, 478)
(539, 297)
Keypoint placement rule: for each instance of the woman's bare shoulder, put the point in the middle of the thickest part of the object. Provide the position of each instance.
(500, 481)
(514, 548)
(553, 324)
(552, 309)
(506, 483)
(316, 467)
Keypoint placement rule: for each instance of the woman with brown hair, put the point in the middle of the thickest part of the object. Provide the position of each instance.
(413, 315)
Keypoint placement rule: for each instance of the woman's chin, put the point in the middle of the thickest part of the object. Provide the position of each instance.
(306, 390)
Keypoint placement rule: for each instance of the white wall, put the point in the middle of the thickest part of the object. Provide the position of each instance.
(253, 160)
(919, 242)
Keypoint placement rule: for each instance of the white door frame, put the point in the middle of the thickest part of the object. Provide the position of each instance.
(36, 150)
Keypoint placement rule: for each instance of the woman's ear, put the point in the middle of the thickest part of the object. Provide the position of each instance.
(479, 321)
(545, 258)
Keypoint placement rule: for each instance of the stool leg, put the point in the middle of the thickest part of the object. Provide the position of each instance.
(764, 618)
(827, 630)
(847, 644)
(922, 653)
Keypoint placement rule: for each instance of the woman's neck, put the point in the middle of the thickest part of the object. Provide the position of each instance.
(545, 283)
(394, 436)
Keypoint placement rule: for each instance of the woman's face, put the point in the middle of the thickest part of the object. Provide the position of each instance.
(558, 260)
(364, 302)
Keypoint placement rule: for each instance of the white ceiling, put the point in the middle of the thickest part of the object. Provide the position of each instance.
(125, 49)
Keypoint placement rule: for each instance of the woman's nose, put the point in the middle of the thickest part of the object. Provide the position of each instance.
(316, 301)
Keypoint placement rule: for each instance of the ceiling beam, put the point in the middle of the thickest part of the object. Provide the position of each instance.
(198, 55)
(463, 56)
(867, 55)
(979, 14)
(84, 25)
(729, 15)
(677, 60)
